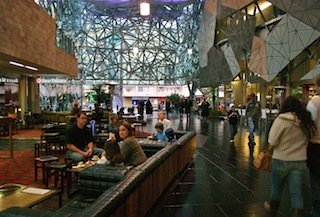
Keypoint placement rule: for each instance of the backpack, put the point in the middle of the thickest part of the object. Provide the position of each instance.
(170, 134)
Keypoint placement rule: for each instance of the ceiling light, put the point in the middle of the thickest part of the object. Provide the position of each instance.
(16, 64)
(144, 9)
(31, 68)
(22, 65)
(189, 51)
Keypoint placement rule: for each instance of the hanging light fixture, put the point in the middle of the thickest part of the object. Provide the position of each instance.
(144, 9)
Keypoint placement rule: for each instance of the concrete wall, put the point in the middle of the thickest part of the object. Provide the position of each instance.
(27, 34)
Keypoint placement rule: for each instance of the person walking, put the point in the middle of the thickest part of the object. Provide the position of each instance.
(313, 152)
(252, 111)
(288, 138)
(233, 117)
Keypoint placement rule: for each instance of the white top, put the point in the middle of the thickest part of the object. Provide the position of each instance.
(166, 124)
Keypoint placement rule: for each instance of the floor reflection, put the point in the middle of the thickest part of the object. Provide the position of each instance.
(224, 181)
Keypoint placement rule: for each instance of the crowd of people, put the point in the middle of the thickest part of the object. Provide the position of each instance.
(294, 139)
(121, 146)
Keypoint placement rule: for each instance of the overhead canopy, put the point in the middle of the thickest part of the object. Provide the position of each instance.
(240, 34)
(289, 38)
(258, 59)
(206, 36)
(217, 71)
(286, 40)
(306, 11)
(231, 59)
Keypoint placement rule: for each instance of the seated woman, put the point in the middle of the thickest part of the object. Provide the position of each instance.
(131, 152)
(159, 134)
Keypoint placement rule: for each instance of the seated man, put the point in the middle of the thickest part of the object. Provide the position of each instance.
(159, 134)
(79, 140)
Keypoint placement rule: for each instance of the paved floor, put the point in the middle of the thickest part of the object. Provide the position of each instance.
(222, 181)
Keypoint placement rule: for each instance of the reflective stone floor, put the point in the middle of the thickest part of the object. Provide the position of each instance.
(222, 182)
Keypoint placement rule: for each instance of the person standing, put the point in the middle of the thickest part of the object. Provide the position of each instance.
(288, 138)
(313, 152)
(188, 106)
(79, 140)
(205, 108)
(233, 117)
(252, 112)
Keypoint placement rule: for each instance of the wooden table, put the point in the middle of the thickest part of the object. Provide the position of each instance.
(76, 170)
(23, 199)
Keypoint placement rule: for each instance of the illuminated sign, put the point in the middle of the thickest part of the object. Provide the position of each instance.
(9, 80)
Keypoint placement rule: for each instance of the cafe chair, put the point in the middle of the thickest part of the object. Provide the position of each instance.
(58, 171)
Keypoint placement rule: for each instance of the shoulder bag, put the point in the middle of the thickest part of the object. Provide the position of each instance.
(263, 161)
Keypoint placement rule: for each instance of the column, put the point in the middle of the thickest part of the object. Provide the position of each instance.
(23, 94)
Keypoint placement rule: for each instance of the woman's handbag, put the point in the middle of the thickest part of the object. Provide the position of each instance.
(263, 161)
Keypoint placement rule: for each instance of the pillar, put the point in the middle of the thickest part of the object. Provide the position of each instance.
(23, 94)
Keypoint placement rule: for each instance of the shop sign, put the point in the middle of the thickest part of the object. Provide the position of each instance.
(54, 81)
(8, 80)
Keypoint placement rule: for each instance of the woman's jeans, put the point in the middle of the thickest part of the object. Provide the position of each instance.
(292, 172)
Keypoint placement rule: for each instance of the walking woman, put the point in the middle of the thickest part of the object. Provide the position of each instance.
(288, 138)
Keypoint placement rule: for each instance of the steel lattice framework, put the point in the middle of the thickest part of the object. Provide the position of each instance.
(116, 44)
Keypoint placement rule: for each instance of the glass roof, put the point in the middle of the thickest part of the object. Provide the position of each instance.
(118, 45)
(124, 3)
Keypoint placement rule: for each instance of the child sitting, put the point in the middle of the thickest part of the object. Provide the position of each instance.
(159, 135)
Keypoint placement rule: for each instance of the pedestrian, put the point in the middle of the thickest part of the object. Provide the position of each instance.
(233, 117)
(288, 138)
(313, 152)
(252, 113)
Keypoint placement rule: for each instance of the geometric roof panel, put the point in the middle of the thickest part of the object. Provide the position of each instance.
(231, 59)
(206, 36)
(307, 11)
(217, 71)
(240, 33)
(258, 59)
(289, 38)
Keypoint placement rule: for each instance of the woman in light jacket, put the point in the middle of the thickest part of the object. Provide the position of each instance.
(288, 138)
